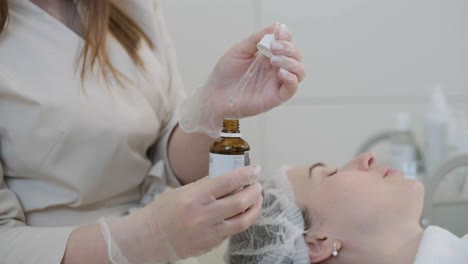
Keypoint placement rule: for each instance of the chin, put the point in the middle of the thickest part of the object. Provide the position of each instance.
(412, 190)
(417, 186)
(417, 192)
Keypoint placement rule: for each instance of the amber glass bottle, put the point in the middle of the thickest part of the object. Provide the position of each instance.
(229, 151)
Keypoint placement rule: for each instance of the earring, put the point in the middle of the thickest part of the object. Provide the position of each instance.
(335, 250)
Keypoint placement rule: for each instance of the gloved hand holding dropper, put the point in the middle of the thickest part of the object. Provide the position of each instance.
(229, 94)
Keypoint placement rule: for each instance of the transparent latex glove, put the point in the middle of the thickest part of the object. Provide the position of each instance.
(190, 220)
(275, 81)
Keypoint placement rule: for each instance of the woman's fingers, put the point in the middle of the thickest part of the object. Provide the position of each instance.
(236, 203)
(282, 33)
(290, 84)
(215, 188)
(248, 47)
(241, 222)
(289, 64)
(286, 48)
(286, 55)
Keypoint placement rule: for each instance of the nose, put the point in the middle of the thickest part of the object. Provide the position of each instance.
(365, 162)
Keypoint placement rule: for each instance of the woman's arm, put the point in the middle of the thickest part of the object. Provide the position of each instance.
(86, 245)
(26, 244)
(188, 155)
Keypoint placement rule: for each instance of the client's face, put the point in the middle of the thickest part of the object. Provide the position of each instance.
(361, 199)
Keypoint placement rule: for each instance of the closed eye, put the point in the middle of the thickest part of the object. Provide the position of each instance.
(335, 172)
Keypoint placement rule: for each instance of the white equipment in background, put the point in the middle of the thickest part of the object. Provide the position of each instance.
(450, 214)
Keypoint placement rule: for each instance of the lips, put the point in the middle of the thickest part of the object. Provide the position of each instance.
(387, 171)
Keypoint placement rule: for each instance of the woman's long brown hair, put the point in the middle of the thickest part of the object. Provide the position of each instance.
(99, 18)
(3, 14)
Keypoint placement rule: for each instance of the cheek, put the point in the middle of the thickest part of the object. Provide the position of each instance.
(355, 205)
(300, 188)
(418, 187)
(415, 187)
(408, 196)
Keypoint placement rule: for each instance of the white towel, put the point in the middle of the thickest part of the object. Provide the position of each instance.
(439, 246)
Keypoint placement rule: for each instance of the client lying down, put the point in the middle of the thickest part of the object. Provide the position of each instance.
(361, 213)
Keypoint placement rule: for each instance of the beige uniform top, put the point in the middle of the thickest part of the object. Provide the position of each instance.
(70, 154)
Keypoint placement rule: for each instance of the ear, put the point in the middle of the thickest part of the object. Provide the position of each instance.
(320, 247)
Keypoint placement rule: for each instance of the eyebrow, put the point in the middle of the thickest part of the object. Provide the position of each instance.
(318, 164)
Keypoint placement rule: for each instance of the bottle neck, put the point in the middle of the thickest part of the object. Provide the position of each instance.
(231, 128)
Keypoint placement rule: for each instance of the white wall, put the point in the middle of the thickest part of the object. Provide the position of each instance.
(366, 60)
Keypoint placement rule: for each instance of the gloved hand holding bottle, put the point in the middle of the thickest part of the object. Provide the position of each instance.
(275, 81)
(190, 220)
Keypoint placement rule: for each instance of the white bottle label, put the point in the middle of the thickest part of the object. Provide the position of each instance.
(221, 164)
